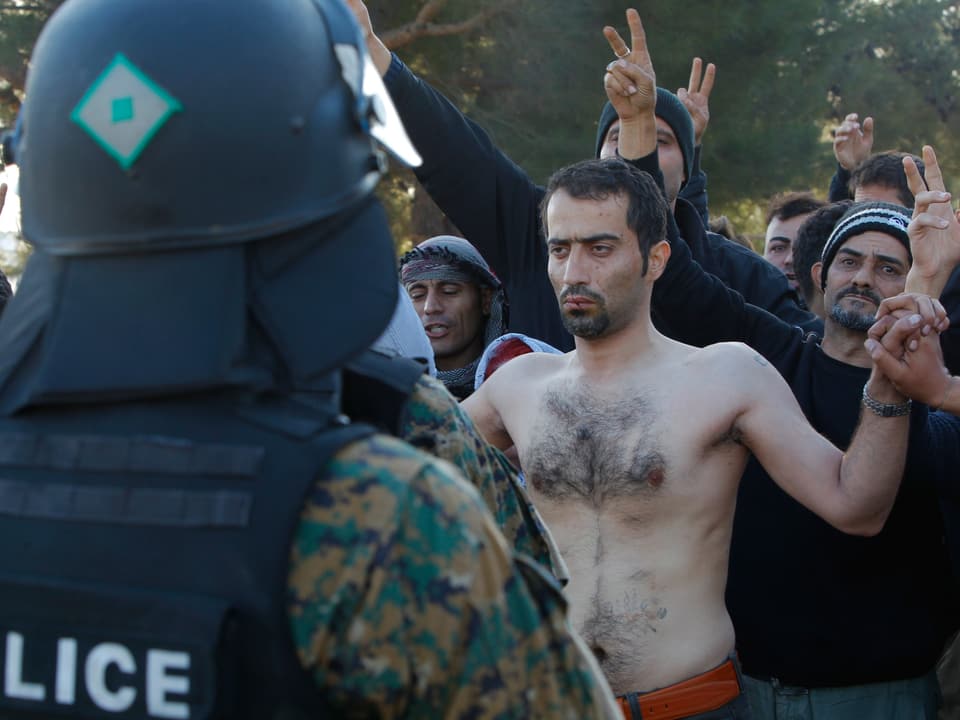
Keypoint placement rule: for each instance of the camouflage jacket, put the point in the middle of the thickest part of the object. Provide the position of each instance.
(405, 601)
(435, 423)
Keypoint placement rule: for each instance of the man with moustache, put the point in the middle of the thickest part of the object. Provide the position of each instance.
(815, 646)
(461, 303)
(807, 601)
(497, 205)
(862, 176)
(638, 489)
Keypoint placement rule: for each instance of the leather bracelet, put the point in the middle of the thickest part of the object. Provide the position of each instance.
(885, 409)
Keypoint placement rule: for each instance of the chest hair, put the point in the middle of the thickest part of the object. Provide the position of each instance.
(594, 449)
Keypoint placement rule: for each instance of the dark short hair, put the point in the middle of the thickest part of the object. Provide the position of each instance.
(808, 245)
(786, 205)
(886, 170)
(600, 179)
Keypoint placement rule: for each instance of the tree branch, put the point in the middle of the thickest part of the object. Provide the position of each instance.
(424, 26)
(429, 11)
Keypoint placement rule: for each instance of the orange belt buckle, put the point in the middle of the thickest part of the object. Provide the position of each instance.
(707, 691)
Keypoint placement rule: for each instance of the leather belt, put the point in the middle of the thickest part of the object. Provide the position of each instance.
(702, 693)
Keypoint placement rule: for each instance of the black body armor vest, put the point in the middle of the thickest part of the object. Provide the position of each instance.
(376, 388)
(145, 556)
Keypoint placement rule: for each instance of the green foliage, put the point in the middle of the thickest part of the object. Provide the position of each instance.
(787, 73)
(531, 73)
(20, 24)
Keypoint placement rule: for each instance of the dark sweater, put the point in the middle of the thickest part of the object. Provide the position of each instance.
(811, 605)
(497, 207)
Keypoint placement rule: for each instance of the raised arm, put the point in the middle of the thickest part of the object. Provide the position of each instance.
(853, 491)
(491, 200)
(935, 246)
(934, 230)
(852, 144)
(379, 52)
(853, 141)
(631, 86)
(630, 83)
(696, 98)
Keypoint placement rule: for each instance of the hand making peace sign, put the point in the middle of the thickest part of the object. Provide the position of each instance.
(630, 81)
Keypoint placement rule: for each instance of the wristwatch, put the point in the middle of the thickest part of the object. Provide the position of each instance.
(884, 409)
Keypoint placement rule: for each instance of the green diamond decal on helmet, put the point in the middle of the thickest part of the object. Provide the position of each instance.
(123, 110)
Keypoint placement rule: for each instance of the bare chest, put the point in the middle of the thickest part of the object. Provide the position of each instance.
(582, 447)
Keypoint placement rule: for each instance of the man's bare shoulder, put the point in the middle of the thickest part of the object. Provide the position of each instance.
(738, 373)
(728, 357)
(512, 386)
(525, 367)
(732, 370)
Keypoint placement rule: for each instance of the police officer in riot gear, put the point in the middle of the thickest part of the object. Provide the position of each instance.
(191, 527)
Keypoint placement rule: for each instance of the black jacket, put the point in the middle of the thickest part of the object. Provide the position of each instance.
(811, 605)
(497, 207)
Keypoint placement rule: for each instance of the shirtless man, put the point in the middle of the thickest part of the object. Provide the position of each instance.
(633, 444)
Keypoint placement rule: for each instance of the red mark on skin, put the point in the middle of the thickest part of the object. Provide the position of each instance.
(655, 478)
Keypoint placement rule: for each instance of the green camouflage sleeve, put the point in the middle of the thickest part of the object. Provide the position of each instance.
(405, 601)
(434, 422)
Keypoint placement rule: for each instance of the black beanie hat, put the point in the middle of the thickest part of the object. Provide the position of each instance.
(671, 111)
(860, 218)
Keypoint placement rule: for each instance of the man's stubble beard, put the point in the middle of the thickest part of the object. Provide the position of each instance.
(585, 326)
(851, 320)
(859, 322)
(581, 324)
